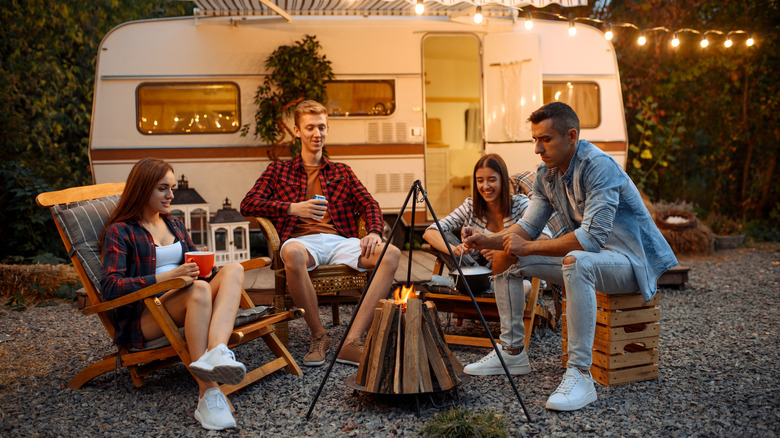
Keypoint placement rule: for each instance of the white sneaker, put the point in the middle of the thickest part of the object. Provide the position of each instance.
(213, 411)
(219, 365)
(575, 391)
(490, 365)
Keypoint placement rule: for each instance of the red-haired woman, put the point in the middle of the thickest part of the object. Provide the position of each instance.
(142, 245)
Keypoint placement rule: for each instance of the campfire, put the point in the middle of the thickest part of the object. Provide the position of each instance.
(405, 352)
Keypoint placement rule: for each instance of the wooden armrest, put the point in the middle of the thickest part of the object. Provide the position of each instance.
(270, 232)
(255, 263)
(174, 283)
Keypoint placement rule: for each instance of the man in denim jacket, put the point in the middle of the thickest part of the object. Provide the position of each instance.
(611, 245)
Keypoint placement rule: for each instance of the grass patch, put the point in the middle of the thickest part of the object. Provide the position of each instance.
(462, 422)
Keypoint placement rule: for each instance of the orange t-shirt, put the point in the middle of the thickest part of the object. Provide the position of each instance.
(307, 226)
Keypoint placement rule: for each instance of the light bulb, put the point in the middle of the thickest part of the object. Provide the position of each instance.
(675, 41)
(419, 8)
(728, 42)
(750, 41)
(608, 35)
(478, 15)
(704, 42)
(572, 29)
(529, 24)
(642, 40)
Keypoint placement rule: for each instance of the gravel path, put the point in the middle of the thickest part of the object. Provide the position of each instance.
(719, 374)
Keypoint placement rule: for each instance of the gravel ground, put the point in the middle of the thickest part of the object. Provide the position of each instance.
(719, 351)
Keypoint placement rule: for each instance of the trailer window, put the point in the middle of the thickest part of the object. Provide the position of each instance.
(583, 97)
(188, 108)
(360, 98)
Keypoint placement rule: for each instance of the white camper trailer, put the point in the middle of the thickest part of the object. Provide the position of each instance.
(414, 97)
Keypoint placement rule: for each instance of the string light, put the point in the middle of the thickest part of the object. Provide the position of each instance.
(642, 39)
(704, 42)
(609, 35)
(675, 40)
(749, 41)
(728, 42)
(419, 8)
(529, 24)
(478, 15)
(572, 29)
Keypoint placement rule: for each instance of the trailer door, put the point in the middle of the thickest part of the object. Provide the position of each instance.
(513, 89)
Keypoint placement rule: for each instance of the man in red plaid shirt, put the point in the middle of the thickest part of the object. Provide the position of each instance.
(322, 231)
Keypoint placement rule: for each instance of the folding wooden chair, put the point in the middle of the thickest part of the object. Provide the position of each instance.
(334, 284)
(80, 214)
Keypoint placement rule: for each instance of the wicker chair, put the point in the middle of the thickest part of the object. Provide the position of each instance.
(334, 284)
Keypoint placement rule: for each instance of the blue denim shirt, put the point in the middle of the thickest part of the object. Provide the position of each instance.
(614, 217)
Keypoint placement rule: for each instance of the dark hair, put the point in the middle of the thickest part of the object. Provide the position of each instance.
(308, 107)
(140, 183)
(495, 162)
(563, 117)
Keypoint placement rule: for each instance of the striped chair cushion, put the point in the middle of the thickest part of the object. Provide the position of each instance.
(83, 223)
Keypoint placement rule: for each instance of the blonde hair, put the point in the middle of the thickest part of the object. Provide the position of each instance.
(308, 107)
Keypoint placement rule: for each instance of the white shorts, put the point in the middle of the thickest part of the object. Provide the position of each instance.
(331, 249)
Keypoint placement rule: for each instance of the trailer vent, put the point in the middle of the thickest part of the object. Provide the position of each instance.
(401, 133)
(393, 182)
(409, 178)
(387, 132)
(381, 183)
(372, 132)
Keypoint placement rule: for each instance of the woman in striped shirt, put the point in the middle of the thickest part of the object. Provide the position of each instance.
(490, 209)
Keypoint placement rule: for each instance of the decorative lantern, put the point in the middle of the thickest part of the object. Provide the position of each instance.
(229, 233)
(193, 210)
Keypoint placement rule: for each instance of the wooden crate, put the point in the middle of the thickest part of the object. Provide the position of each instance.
(625, 346)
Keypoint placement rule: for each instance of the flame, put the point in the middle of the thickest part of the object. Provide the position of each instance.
(403, 293)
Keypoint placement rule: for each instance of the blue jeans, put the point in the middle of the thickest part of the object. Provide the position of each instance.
(606, 271)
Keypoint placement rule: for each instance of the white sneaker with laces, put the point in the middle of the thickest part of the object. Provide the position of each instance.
(219, 365)
(490, 365)
(213, 411)
(575, 391)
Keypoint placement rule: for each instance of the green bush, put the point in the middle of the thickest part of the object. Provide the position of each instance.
(462, 422)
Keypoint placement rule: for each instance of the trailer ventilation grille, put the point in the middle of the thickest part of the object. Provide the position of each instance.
(393, 182)
(387, 132)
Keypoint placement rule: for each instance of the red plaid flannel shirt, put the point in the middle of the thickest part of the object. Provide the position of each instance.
(284, 182)
(129, 263)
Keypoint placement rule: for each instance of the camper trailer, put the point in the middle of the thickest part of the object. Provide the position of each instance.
(414, 97)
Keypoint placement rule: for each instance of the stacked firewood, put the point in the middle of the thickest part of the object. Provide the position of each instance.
(405, 352)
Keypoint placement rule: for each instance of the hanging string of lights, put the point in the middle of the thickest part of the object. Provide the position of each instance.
(609, 34)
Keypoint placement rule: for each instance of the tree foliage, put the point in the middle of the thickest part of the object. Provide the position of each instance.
(726, 101)
(47, 54)
(295, 72)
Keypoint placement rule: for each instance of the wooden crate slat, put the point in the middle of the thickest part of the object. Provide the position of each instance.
(624, 301)
(625, 360)
(624, 375)
(627, 317)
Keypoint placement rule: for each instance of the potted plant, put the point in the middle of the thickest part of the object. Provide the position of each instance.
(727, 231)
(295, 73)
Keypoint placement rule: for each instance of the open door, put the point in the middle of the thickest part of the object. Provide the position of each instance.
(513, 90)
(451, 66)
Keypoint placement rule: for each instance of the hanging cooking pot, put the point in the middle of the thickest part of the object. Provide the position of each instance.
(477, 277)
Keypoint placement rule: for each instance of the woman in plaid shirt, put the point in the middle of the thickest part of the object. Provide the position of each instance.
(142, 245)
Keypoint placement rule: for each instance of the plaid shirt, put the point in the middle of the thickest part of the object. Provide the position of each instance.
(284, 182)
(129, 264)
(524, 183)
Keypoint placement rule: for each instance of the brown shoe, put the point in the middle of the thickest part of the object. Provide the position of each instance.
(351, 353)
(318, 349)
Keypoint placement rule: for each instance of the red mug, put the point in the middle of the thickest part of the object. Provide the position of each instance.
(204, 260)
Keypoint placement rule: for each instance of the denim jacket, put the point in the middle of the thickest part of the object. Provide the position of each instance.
(614, 217)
